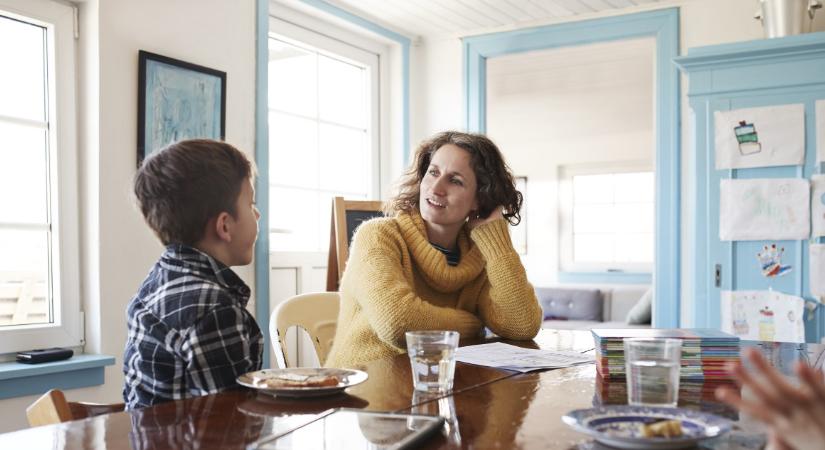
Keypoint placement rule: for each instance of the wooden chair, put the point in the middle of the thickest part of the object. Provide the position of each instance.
(346, 216)
(52, 408)
(316, 313)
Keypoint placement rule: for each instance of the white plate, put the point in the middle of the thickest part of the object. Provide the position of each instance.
(346, 378)
(620, 425)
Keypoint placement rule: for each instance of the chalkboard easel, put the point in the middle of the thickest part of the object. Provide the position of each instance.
(346, 216)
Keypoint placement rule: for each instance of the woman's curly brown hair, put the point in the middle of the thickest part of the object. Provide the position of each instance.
(495, 183)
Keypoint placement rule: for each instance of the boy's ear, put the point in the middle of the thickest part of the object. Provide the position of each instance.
(223, 226)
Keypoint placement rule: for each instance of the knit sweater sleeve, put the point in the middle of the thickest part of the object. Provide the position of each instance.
(507, 303)
(387, 298)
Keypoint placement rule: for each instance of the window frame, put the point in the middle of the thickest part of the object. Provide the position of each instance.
(66, 328)
(566, 173)
(351, 49)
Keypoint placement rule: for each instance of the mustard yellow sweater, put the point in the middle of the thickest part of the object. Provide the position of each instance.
(396, 281)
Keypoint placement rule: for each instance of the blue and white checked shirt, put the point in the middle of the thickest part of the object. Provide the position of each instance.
(189, 331)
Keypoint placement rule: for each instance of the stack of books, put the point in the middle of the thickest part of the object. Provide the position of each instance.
(705, 351)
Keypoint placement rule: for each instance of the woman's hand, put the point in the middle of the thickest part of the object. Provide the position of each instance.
(476, 221)
(794, 414)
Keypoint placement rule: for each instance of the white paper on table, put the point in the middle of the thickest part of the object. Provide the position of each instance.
(820, 130)
(817, 271)
(762, 209)
(510, 357)
(763, 315)
(818, 205)
(780, 131)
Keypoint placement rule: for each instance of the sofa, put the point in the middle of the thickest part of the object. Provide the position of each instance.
(584, 307)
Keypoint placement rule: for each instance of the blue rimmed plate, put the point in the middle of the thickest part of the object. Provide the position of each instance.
(620, 425)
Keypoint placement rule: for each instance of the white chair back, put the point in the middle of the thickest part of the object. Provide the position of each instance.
(316, 313)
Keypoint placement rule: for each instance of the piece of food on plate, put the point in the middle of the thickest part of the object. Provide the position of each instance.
(291, 380)
(662, 428)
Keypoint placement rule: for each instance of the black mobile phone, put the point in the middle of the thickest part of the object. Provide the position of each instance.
(355, 429)
(44, 355)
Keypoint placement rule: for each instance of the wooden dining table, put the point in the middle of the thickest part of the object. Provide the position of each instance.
(487, 408)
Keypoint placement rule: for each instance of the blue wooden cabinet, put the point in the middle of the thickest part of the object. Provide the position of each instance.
(766, 72)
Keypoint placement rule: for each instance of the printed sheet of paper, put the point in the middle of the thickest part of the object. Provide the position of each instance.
(818, 205)
(510, 357)
(820, 131)
(763, 315)
(760, 137)
(817, 271)
(764, 209)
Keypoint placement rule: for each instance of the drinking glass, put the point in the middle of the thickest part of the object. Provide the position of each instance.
(652, 368)
(432, 359)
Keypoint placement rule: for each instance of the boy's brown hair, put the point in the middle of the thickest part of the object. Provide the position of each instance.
(181, 187)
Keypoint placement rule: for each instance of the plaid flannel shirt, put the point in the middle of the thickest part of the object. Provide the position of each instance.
(189, 332)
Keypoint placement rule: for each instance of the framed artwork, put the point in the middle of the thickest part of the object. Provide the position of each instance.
(177, 100)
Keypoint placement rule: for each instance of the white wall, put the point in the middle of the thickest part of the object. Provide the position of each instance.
(118, 249)
(587, 105)
(439, 83)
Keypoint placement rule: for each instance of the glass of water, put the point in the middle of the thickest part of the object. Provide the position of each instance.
(432, 359)
(652, 368)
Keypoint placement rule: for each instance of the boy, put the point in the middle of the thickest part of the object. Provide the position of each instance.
(189, 331)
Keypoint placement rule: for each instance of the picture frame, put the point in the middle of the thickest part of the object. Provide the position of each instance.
(177, 100)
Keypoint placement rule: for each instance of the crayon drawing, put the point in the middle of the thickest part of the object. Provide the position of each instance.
(763, 315)
(818, 205)
(760, 137)
(764, 209)
(770, 261)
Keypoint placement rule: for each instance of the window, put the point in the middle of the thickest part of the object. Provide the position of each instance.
(607, 218)
(39, 292)
(323, 134)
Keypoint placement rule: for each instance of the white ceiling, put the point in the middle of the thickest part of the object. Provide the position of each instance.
(444, 18)
(603, 65)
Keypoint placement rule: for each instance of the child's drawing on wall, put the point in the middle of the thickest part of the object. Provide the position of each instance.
(767, 328)
(818, 204)
(779, 142)
(740, 319)
(759, 209)
(770, 261)
(763, 315)
(747, 137)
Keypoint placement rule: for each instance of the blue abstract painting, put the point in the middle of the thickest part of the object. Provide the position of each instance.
(180, 103)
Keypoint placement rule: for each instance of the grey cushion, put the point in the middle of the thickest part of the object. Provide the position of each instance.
(571, 304)
(641, 312)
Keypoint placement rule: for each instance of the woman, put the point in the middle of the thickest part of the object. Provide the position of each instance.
(442, 261)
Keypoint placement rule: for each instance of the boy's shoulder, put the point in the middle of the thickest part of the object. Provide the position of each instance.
(180, 292)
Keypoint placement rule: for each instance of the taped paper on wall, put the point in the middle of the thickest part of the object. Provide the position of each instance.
(820, 131)
(818, 205)
(817, 271)
(760, 137)
(764, 209)
(763, 315)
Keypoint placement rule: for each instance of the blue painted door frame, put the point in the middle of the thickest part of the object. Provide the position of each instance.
(663, 26)
(262, 136)
(742, 75)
